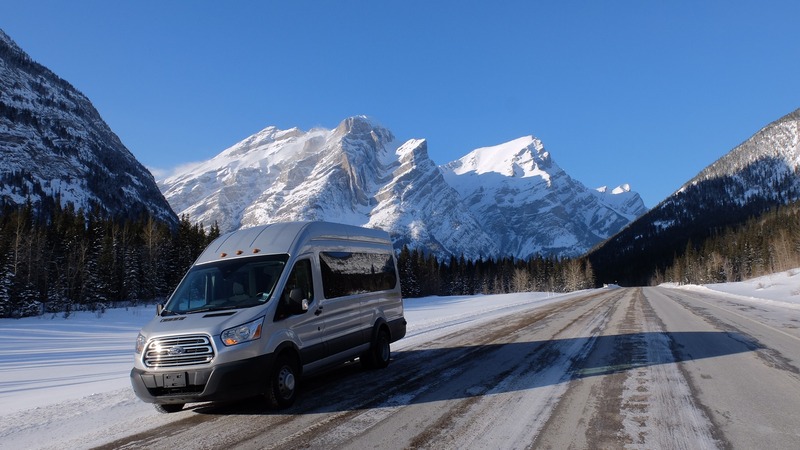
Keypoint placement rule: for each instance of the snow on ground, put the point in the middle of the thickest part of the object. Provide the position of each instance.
(62, 378)
(778, 289)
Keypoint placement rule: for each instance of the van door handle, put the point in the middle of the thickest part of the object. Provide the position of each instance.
(318, 311)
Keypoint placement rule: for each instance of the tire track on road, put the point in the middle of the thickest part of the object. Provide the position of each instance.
(631, 391)
(769, 356)
(556, 352)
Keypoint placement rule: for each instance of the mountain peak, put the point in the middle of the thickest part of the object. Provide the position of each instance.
(6, 39)
(365, 129)
(621, 189)
(522, 158)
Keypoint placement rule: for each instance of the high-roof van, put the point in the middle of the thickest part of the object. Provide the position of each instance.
(263, 306)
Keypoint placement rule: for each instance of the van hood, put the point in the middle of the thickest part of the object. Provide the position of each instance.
(210, 323)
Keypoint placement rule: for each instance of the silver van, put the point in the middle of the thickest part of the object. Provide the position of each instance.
(263, 306)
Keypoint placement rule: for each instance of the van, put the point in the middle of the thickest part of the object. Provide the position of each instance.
(263, 306)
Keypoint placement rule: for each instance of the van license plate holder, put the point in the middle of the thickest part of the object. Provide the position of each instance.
(173, 380)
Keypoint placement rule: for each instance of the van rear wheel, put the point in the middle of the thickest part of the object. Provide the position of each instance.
(379, 353)
(283, 379)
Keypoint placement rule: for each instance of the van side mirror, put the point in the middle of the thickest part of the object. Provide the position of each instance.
(299, 304)
(159, 309)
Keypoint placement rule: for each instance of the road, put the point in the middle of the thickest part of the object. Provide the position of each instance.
(617, 368)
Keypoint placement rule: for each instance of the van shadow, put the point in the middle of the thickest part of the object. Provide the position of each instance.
(454, 373)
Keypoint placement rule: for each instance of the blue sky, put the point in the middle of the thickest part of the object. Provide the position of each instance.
(639, 92)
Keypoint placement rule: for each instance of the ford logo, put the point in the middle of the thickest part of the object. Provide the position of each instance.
(173, 351)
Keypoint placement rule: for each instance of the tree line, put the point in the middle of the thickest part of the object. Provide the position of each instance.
(423, 275)
(64, 260)
(764, 244)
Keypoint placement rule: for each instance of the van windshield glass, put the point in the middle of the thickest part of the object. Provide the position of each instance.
(232, 284)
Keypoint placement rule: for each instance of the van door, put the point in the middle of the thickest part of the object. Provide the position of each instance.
(307, 325)
(343, 313)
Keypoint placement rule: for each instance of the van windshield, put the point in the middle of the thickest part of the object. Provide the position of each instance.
(232, 284)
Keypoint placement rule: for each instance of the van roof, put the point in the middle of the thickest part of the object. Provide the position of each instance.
(286, 237)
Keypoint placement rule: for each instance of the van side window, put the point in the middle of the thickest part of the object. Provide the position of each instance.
(349, 273)
(299, 278)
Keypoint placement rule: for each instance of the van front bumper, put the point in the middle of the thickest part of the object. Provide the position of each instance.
(230, 381)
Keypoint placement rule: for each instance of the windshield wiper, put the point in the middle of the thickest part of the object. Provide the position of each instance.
(213, 308)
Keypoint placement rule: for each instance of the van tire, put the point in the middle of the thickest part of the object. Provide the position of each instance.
(379, 353)
(168, 408)
(283, 380)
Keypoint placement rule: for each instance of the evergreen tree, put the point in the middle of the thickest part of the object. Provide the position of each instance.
(409, 286)
(6, 286)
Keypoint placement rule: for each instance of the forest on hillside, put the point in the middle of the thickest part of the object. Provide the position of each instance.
(64, 260)
(696, 213)
(765, 244)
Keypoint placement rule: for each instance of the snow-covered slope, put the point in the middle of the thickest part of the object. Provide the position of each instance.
(764, 167)
(518, 192)
(506, 200)
(54, 143)
(761, 173)
(356, 173)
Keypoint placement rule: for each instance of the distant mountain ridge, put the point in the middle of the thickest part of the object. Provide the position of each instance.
(518, 192)
(358, 173)
(761, 173)
(54, 144)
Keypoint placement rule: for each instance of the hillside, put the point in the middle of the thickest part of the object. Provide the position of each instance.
(760, 174)
(55, 147)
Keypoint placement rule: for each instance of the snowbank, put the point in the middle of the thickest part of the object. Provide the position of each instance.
(779, 289)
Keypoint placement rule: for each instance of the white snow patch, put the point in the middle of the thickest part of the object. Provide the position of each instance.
(779, 289)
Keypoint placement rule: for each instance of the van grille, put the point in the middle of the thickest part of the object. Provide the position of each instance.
(178, 351)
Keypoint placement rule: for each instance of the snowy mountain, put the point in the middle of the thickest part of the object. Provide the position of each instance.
(356, 174)
(54, 144)
(518, 192)
(515, 202)
(761, 173)
(764, 168)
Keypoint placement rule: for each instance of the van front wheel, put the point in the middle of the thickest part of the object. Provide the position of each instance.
(168, 408)
(283, 383)
(379, 353)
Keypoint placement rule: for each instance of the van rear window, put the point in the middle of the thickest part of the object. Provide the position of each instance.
(350, 273)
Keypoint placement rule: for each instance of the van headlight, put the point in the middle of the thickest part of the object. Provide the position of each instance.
(249, 331)
(140, 342)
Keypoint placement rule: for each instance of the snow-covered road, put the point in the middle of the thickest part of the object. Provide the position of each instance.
(612, 368)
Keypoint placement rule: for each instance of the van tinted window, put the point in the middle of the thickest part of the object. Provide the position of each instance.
(346, 273)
